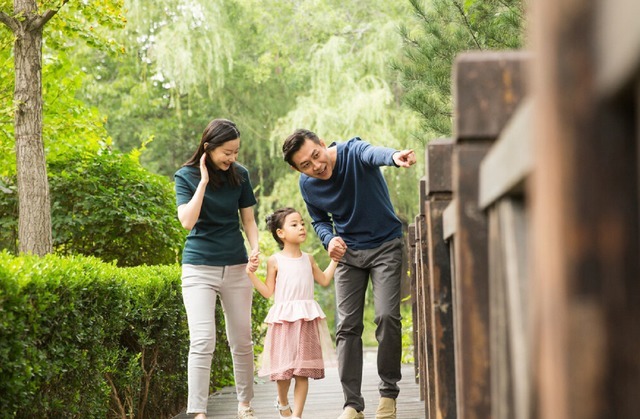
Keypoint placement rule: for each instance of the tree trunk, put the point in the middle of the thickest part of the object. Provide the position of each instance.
(34, 225)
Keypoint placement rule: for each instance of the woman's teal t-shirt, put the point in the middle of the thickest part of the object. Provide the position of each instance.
(216, 239)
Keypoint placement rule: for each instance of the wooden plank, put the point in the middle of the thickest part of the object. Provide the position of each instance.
(325, 399)
(585, 215)
(438, 163)
(426, 334)
(471, 303)
(438, 166)
(487, 88)
(510, 160)
(420, 342)
(514, 239)
(414, 299)
(510, 366)
(449, 220)
(618, 45)
(442, 318)
(501, 384)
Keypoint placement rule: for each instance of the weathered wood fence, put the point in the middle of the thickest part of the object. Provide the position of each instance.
(526, 253)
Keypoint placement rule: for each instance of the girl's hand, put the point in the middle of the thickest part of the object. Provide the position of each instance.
(251, 268)
(204, 173)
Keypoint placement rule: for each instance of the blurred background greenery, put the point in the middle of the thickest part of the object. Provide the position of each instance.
(129, 86)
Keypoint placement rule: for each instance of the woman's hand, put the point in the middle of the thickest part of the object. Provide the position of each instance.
(204, 173)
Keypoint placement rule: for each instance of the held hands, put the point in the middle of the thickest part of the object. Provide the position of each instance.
(204, 173)
(337, 248)
(404, 158)
(254, 261)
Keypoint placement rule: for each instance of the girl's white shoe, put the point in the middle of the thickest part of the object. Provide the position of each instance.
(284, 409)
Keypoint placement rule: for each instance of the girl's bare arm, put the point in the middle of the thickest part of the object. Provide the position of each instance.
(267, 287)
(323, 277)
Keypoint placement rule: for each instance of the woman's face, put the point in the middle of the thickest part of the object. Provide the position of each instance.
(225, 155)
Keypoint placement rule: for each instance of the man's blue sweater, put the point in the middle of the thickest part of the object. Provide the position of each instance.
(355, 199)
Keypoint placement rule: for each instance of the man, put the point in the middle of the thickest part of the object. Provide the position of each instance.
(348, 200)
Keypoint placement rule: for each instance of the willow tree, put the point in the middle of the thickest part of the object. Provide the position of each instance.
(27, 21)
(352, 89)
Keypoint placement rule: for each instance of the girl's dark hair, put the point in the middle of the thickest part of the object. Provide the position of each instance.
(217, 132)
(276, 220)
(294, 142)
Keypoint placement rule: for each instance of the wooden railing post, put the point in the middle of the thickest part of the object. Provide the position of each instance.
(424, 306)
(413, 272)
(504, 179)
(586, 208)
(442, 392)
(487, 89)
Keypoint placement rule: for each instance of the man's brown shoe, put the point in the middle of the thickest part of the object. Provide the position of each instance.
(351, 413)
(386, 408)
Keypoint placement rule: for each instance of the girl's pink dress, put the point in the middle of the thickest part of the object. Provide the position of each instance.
(298, 340)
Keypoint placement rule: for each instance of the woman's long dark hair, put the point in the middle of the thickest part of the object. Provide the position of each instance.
(217, 132)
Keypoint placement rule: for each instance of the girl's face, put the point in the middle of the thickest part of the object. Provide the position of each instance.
(225, 155)
(293, 229)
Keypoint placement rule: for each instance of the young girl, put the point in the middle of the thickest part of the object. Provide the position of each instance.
(214, 195)
(298, 343)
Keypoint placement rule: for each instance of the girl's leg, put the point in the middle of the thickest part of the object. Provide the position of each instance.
(283, 396)
(300, 395)
(236, 294)
(199, 285)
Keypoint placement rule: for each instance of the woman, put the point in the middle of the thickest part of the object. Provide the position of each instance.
(211, 189)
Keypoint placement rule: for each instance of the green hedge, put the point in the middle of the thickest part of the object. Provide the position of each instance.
(84, 338)
(106, 205)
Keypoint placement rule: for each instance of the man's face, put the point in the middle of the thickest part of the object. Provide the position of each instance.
(313, 160)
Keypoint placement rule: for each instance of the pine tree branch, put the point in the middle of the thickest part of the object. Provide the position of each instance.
(467, 24)
(10, 22)
(514, 10)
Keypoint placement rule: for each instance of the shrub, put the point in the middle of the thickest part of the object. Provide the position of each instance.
(105, 205)
(84, 338)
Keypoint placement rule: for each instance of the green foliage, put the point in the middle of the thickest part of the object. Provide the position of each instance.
(353, 92)
(64, 116)
(82, 338)
(440, 30)
(68, 124)
(281, 65)
(105, 205)
(62, 325)
(407, 334)
(6, 101)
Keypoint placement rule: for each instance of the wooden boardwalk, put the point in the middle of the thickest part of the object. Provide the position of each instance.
(325, 398)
